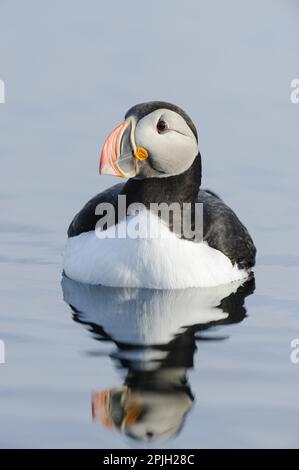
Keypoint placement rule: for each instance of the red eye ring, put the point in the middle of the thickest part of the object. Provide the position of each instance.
(162, 126)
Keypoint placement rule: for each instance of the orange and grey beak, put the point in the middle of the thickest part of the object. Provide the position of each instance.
(101, 408)
(119, 156)
(117, 407)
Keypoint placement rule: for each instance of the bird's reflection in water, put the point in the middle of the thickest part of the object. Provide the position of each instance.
(155, 333)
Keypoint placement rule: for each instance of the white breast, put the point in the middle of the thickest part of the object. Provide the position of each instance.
(146, 316)
(166, 262)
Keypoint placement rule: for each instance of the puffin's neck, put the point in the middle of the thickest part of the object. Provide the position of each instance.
(180, 188)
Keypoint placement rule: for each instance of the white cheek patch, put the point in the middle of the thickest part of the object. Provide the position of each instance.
(173, 151)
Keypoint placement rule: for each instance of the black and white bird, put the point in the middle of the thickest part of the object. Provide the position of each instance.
(155, 347)
(156, 149)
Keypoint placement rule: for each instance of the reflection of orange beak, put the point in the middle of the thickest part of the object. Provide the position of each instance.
(117, 156)
(100, 408)
(101, 403)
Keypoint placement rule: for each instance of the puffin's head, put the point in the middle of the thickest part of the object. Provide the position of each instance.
(146, 415)
(156, 139)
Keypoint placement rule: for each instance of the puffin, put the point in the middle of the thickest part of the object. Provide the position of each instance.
(153, 348)
(158, 229)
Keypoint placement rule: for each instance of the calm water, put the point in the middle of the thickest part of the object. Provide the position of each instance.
(199, 368)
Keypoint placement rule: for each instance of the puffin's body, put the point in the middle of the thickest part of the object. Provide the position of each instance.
(156, 148)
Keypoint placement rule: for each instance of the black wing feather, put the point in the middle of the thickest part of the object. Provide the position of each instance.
(86, 219)
(223, 231)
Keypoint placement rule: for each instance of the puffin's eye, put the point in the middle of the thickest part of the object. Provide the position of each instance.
(162, 126)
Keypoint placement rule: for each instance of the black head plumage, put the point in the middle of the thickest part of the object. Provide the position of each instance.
(142, 109)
